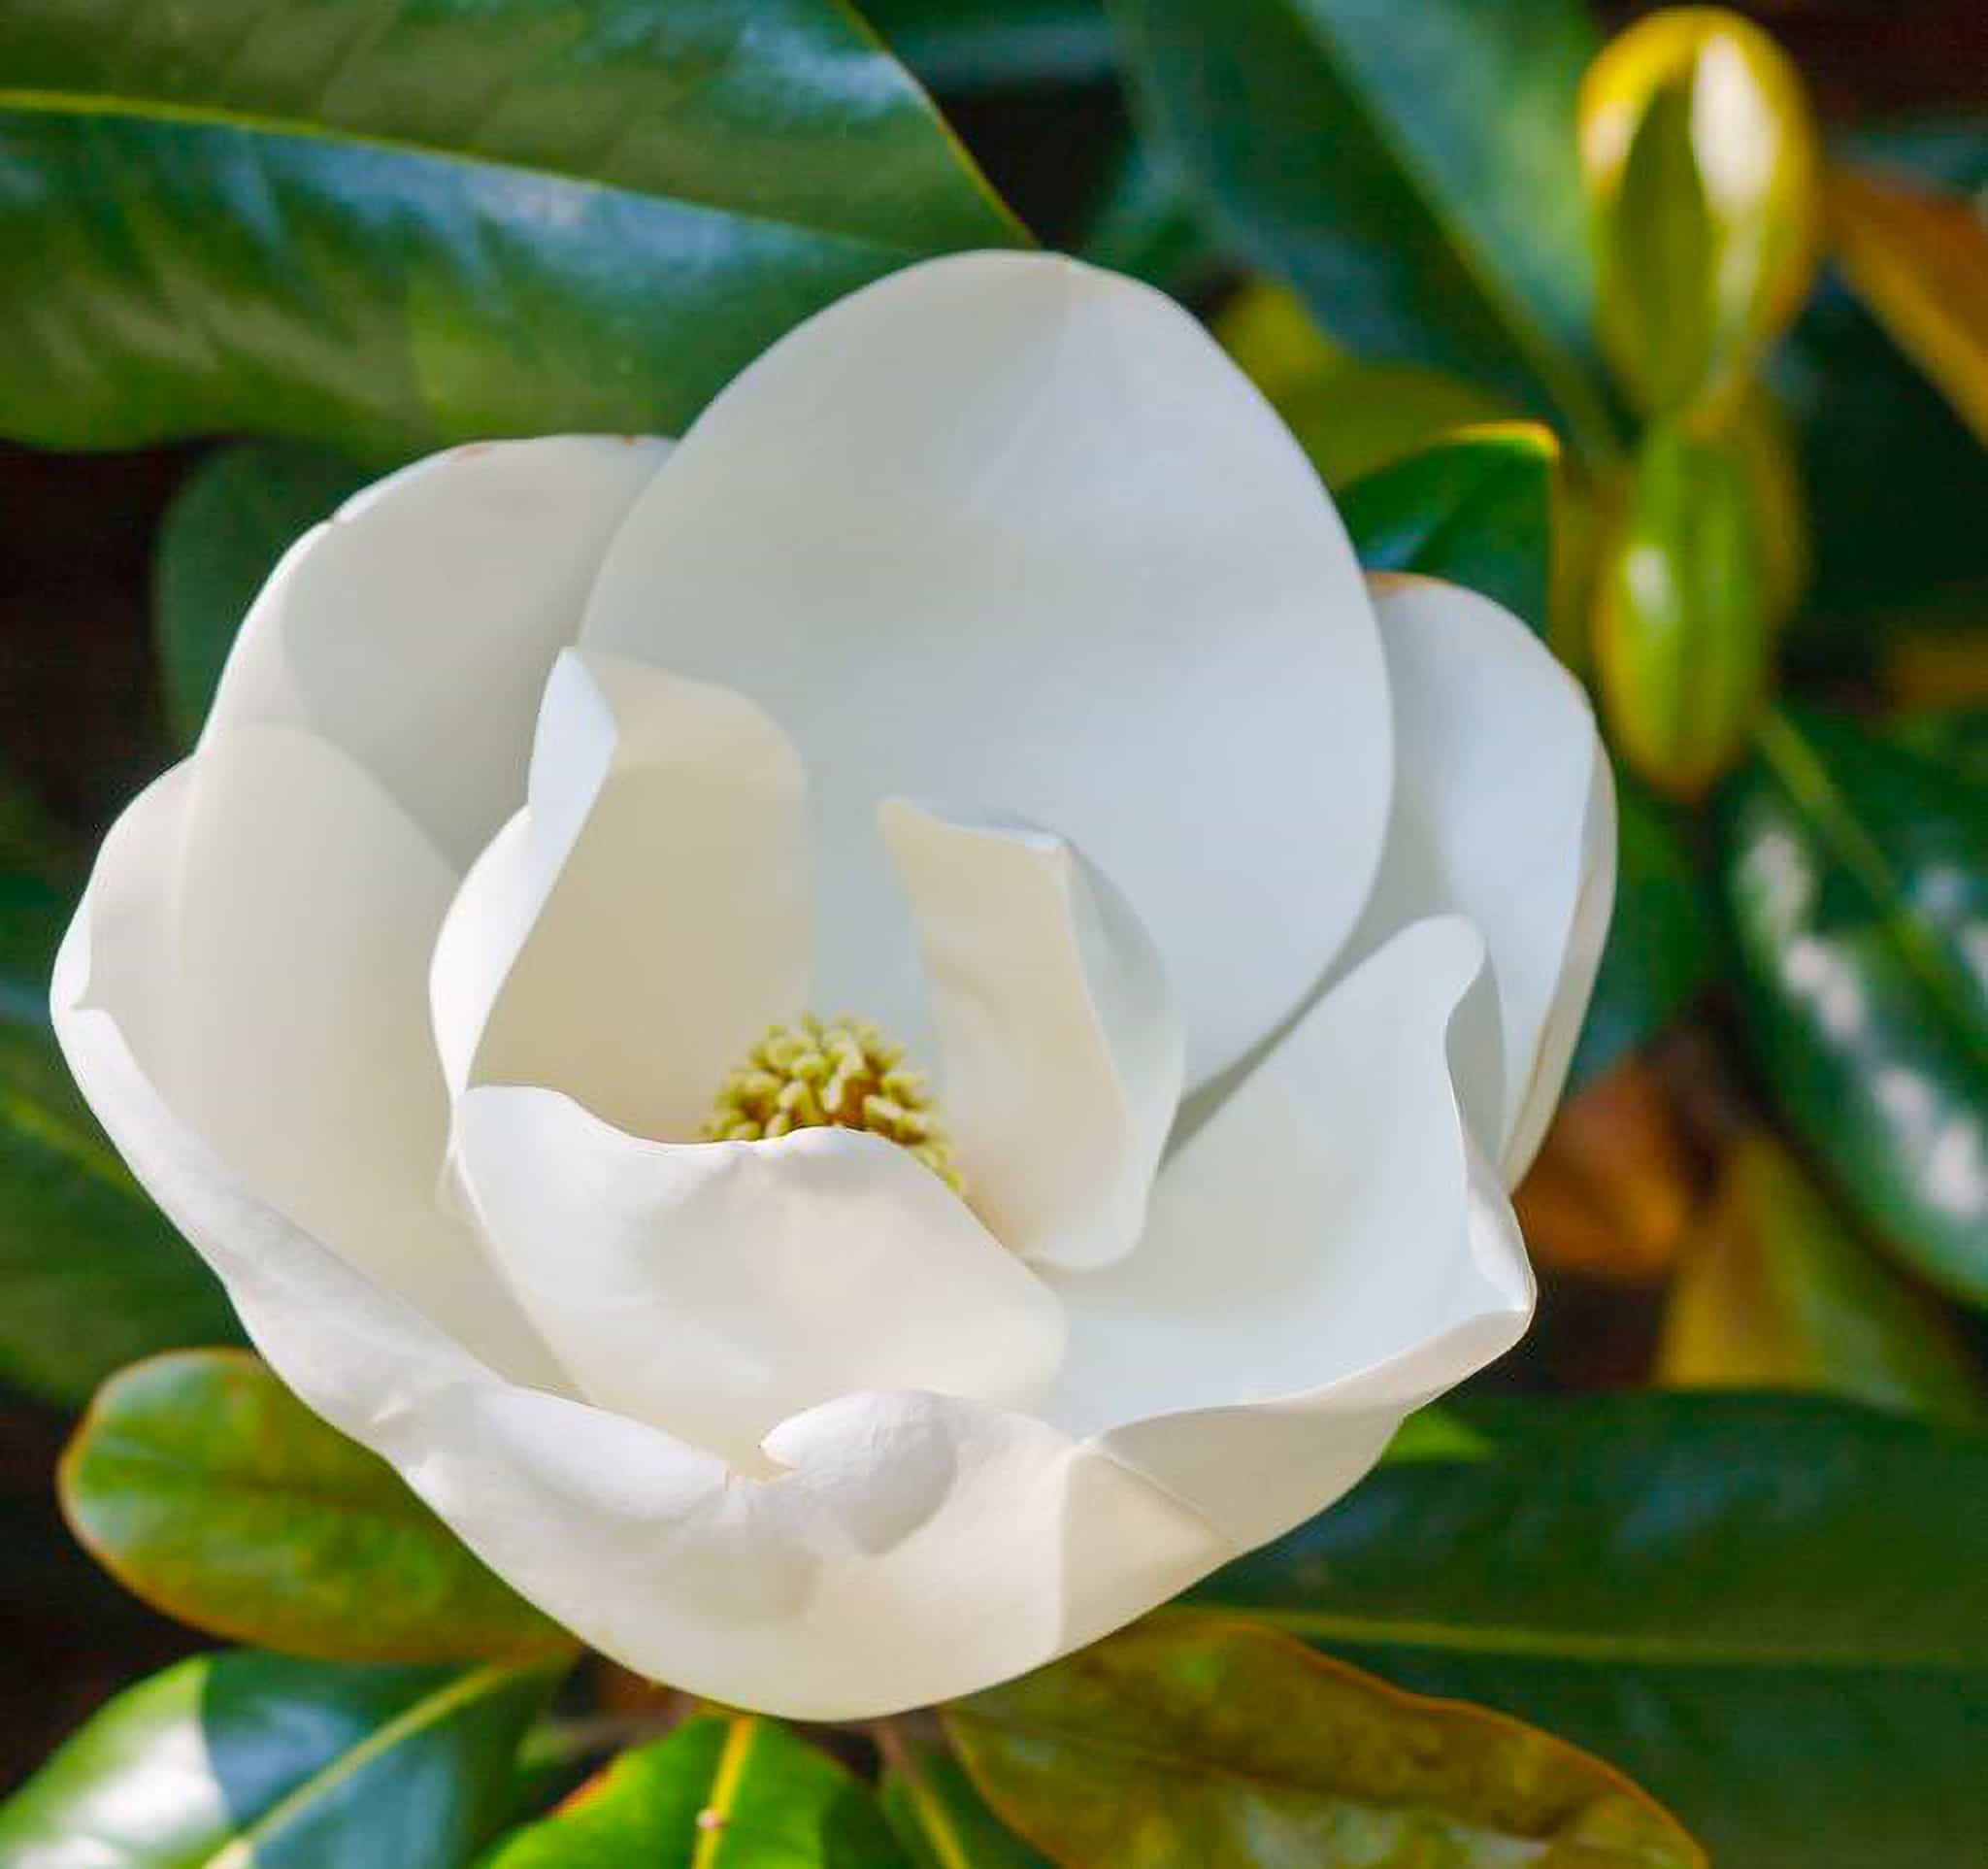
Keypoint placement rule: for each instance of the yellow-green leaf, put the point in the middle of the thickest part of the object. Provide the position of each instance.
(1920, 260)
(203, 1486)
(1201, 1739)
(1780, 1293)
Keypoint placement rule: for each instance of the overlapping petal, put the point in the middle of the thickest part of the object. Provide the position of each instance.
(415, 630)
(1504, 811)
(1328, 1251)
(256, 934)
(713, 1289)
(629, 933)
(1006, 529)
(906, 1548)
(1061, 1043)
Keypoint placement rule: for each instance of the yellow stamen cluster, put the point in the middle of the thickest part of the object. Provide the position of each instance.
(841, 1072)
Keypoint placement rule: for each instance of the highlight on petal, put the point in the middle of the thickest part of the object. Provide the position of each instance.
(1005, 529)
(1061, 1045)
(630, 931)
(908, 1548)
(714, 1289)
(1328, 1251)
(415, 628)
(253, 942)
(1505, 812)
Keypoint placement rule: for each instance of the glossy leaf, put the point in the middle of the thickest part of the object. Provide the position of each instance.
(1920, 261)
(1475, 508)
(245, 1758)
(1683, 623)
(203, 1486)
(1417, 187)
(1703, 166)
(1856, 877)
(1780, 1293)
(1147, 223)
(1765, 1609)
(1662, 940)
(1216, 1742)
(724, 1792)
(941, 1820)
(233, 213)
(221, 537)
(972, 45)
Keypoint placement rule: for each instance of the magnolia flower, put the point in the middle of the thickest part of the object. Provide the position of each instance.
(987, 674)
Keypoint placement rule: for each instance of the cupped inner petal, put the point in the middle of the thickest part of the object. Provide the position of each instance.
(416, 628)
(714, 1289)
(1504, 812)
(629, 933)
(257, 929)
(1061, 1045)
(1325, 1223)
(1004, 527)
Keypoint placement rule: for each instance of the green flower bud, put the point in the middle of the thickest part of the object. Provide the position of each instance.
(1683, 628)
(1704, 174)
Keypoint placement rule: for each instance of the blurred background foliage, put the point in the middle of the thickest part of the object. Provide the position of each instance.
(1670, 331)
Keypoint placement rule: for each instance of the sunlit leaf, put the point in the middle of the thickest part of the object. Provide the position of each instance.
(1765, 1608)
(205, 1487)
(734, 1791)
(232, 1760)
(1220, 1742)
(503, 219)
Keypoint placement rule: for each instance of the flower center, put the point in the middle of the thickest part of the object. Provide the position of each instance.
(821, 1073)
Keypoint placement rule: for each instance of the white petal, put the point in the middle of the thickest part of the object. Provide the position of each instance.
(416, 628)
(714, 1289)
(641, 923)
(1327, 1252)
(1505, 812)
(1060, 1041)
(912, 1548)
(257, 929)
(1005, 529)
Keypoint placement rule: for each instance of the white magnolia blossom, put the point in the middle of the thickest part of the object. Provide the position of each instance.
(986, 662)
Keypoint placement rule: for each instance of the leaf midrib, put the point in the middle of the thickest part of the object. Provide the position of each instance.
(1173, 1763)
(1597, 1646)
(61, 104)
(240, 1850)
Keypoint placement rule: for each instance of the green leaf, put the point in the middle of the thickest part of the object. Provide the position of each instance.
(91, 1275)
(1765, 1609)
(1475, 508)
(235, 517)
(941, 1819)
(724, 1792)
(498, 219)
(1662, 947)
(203, 1485)
(974, 45)
(1899, 545)
(1780, 1293)
(1416, 184)
(1193, 1739)
(1856, 876)
(229, 1761)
